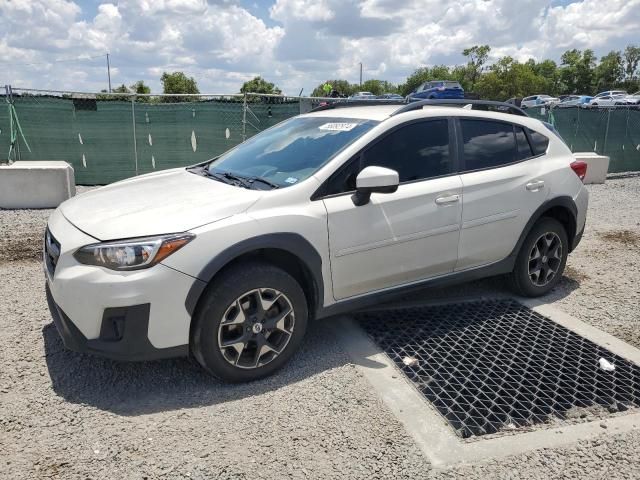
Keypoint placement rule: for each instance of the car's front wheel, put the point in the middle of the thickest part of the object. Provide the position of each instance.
(542, 258)
(249, 323)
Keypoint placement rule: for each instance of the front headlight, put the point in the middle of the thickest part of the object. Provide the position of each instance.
(132, 254)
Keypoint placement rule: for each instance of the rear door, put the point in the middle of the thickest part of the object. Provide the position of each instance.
(503, 185)
(400, 237)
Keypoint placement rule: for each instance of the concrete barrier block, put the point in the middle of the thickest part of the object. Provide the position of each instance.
(40, 184)
(597, 166)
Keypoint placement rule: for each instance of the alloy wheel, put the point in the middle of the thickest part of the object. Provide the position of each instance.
(256, 328)
(545, 259)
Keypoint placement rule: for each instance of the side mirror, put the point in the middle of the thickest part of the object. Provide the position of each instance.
(374, 180)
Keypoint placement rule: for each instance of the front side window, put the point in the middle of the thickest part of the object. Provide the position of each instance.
(487, 144)
(416, 151)
(292, 150)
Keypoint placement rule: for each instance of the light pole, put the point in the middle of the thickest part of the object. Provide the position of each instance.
(109, 72)
(360, 73)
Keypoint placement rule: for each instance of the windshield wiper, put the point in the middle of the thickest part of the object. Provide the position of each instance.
(204, 171)
(263, 180)
(246, 182)
(232, 179)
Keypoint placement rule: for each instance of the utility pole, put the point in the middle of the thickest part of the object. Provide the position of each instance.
(360, 73)
(109, 72)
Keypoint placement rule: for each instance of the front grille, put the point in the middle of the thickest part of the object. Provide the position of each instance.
(51, 252)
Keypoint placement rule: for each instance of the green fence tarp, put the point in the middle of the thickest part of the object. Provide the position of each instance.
(97, 136)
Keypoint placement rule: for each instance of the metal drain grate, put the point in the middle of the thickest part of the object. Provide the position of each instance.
(495, 365)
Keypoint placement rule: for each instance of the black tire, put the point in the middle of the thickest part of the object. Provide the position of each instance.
(227, 292)
(528, 284)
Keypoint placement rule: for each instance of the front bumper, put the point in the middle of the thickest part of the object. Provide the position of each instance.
(134, 315)
(123, 334)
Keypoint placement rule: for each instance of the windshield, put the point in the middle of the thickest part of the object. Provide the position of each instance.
(292, 150)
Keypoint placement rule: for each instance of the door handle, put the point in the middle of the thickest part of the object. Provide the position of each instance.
(535, 186)
(448, 199)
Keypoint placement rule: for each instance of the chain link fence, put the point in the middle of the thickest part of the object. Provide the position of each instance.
(612, 131)
(109, 137)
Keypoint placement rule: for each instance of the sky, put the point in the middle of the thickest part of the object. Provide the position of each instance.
(61, 44)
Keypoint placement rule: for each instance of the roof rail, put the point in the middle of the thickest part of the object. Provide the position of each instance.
(345, 102)
(416, 105)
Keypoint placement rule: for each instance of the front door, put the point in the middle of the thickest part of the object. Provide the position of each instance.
(401, 237)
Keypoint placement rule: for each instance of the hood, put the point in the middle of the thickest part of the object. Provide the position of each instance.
(165, 202)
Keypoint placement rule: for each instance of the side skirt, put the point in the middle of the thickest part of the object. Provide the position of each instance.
(498, 268)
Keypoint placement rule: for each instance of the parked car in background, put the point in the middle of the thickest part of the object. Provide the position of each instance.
(515, 101)
(633, 99)
(363, 96)
(609, 93)
(538, 100)
(608, 100)
(574, 101)
(438, 89)
(390, 96)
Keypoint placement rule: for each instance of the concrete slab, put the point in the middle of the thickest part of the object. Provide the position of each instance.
(597, 166)
(36, 184)
(431, 432)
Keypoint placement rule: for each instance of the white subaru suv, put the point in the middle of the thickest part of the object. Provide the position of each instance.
(323, 213)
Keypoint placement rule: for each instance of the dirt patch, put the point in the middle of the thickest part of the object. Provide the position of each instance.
(627, 238)
(575, 274)
(24, 248)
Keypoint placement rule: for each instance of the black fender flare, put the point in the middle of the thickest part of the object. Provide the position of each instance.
(562, 201)
(293, 243)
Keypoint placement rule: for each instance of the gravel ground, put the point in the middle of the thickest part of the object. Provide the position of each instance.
(67, 415)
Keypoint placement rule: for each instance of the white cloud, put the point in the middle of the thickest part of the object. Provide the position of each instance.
(302, 10)
(303, 42)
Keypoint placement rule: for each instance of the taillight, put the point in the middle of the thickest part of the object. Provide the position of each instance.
(580, 168)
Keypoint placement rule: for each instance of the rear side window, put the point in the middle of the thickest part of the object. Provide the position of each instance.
(416, 151)
(487, 144)
(539, 143)
(524, 149)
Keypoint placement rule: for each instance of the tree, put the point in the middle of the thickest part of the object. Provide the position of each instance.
(424, 74)
(478, 55)
(549, 76)
(259, 85)
(343, 87)
(631, 61)
(577, 71)
(140, 88)
(378, 87)
(178, 82)
(509, 78)
(121, 89)
(610, 72)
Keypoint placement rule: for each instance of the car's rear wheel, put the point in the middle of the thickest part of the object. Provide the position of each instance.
(542, 258)
(249, 322)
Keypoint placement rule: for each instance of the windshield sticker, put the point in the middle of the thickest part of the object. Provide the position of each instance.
(338, 127)
(291, 180)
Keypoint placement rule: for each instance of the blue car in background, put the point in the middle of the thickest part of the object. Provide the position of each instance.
(438, 89)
